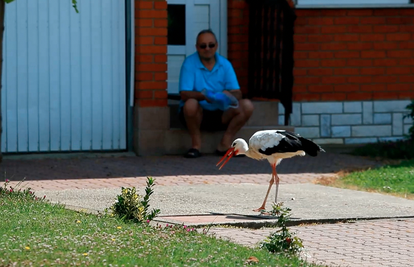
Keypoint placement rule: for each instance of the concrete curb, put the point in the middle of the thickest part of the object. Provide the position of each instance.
(263, 221)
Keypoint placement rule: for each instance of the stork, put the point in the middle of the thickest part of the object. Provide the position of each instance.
(273, 145)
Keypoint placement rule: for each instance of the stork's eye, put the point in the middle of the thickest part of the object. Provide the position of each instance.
(233, 145)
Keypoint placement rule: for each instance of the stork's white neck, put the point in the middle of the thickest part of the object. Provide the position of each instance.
(253, 154)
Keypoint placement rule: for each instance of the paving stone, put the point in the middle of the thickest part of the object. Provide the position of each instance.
(343, 249)
(397, 124)
(372, 130)
(341, 131)
(322, 107)
(325, 125)
(310, 120)
(391, 106)
(346, 119)
(367, 112)
(382, 118)
(352, 107)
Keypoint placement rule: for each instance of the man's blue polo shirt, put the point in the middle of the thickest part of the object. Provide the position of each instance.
(195, 77)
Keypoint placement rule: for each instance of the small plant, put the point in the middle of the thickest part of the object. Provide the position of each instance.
(282, 241)
(410, 107)
(133, 207)
(17, 192)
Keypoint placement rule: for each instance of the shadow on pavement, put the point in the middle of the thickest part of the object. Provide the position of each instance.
(132, 166)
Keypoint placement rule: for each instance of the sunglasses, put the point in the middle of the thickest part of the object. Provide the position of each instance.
(204, 46)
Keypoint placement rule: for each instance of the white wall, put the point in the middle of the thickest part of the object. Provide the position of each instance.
(64, 85)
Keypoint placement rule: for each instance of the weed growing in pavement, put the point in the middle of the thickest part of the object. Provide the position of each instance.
(131, 206)
(282, 241)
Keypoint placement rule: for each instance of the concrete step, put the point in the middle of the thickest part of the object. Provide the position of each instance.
(265, 114)
(178, 141)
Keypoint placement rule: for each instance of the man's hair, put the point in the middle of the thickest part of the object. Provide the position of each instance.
(206, 31)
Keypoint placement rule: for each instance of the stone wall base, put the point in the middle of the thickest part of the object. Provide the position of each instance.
(150, 127)
(350, 122)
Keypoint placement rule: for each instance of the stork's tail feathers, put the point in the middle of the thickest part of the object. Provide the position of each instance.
(310, 147)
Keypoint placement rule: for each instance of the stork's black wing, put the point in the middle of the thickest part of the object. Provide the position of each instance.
(292, 143)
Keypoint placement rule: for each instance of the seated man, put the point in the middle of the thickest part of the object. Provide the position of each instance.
(210, 95)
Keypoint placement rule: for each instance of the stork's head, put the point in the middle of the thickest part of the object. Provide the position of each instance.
(238, 147)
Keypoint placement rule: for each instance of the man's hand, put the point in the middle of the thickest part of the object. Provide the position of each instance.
(209, 95)
(236, 93)
(221, 99)
(225, 100)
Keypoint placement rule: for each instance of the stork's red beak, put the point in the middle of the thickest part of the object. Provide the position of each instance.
(230, 153)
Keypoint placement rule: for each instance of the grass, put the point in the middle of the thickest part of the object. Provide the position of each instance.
(396, 179)
(36, 232)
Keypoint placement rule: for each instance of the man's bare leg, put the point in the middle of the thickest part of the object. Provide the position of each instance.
(236, 118)
(193, 114)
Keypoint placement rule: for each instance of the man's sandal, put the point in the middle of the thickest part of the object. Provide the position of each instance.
(192, 153)
(220, 153)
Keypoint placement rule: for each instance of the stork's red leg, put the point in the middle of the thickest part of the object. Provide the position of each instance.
(272, 180)
(276, 182)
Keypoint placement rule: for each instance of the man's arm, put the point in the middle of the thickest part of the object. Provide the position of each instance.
(186, 84)
(232, 82)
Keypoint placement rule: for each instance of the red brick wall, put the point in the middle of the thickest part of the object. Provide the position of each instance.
(151, 53)
(340, 54)
(354, 54)
(238, 39)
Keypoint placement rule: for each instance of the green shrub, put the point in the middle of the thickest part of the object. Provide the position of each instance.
(131, 206)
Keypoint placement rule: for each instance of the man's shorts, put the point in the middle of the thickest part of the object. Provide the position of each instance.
(211, 120)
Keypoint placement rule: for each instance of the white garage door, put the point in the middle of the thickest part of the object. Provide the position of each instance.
(64, 85)
(199, 15)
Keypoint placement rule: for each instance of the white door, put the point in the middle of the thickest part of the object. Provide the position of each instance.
(64, 85)
(199, 15)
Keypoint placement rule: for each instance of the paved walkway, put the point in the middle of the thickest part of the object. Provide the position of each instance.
(363, 243)
(95, 172)
(181, 182)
